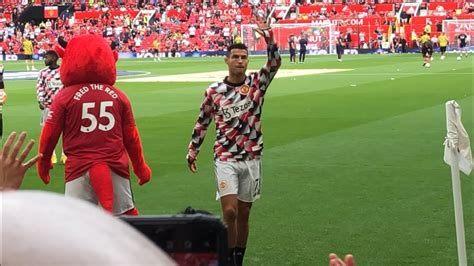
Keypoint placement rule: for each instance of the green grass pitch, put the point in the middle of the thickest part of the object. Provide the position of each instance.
(353, 160)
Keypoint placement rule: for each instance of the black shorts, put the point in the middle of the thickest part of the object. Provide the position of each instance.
(156, 51)
(339, 49)
(292, 52)
(442, 49)
(462, 45)
(28, 57)
(426, 52)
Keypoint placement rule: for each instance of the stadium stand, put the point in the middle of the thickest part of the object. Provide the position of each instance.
(186, 26)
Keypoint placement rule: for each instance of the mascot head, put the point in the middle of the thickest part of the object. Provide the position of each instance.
(87, 59)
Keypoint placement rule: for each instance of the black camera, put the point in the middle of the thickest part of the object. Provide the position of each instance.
(190, 239)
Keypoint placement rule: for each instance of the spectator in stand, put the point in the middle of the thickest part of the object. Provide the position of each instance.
(439, 26)
(403, 16)
(394, 44)
(468, 7)
(348, 40)
(373, 43)
(386, 19)
(434, 40)
(3, 47)
(403, 44)
(401, 30)
(48, 24)
(414, 39)
(83, 5)
(192, 31)
(237, 39)
(427, 28)
(226, 34)
(217, 16)
(370, 9)
(14, 14)
(361, 39)
(379, 38)
(449, 15)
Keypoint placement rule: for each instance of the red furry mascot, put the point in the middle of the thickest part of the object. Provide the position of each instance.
(98, 127)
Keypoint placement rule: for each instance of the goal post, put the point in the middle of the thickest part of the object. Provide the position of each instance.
(321, 37)
(454, 27)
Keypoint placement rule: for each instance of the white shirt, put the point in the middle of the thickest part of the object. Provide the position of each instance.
(226, 32)
(192, 31)
(138, 41)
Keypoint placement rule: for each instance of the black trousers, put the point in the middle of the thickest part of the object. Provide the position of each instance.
(302, 55)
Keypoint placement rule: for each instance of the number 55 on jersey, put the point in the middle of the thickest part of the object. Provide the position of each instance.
(95, 120)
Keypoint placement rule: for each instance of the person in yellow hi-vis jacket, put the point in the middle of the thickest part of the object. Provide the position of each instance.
(414, 39)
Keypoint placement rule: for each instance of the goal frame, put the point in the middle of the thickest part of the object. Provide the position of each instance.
(321, 37)
(453, 27)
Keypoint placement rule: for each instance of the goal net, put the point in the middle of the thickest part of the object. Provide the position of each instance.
(454, 27)
(321, 38)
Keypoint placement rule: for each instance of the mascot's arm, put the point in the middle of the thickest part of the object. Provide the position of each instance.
(131, 140)
(49, 138)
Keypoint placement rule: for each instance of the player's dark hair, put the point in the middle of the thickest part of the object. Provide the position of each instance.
(236, 46)
(53, 53)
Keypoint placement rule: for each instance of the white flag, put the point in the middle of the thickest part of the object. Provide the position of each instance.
(457, 139)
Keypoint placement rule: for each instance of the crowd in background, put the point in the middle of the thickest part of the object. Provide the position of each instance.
(167, 26)
(182, 27)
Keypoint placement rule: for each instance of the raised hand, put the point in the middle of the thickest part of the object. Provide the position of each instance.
(261, 23)
(3, 96)
(192, 166)
(13, 168)
(334, 260)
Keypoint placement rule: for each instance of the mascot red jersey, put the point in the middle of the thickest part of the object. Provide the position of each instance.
(99, 132)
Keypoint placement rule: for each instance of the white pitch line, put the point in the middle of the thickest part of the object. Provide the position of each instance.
(146, 73)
